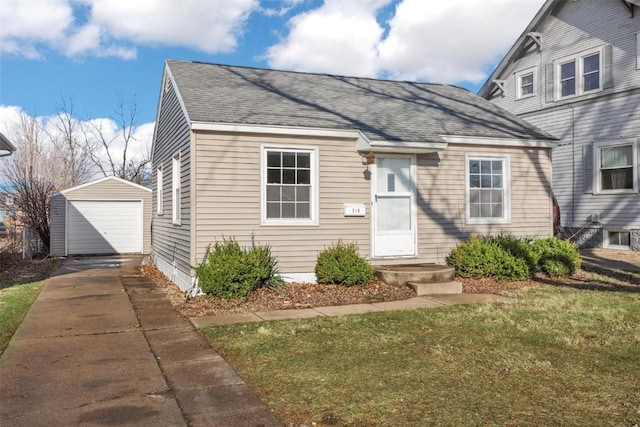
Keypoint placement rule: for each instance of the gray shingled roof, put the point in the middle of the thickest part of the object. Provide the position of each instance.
(383, 110)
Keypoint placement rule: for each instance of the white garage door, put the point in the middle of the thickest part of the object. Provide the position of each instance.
(103, 227)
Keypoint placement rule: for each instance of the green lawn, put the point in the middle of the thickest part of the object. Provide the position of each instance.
(556, 356)
(20, 285)
(14, 304)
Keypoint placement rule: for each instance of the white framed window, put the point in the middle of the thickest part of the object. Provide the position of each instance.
(526, 83)
(159, 191)
(289, 185)
(616, 167)
(487, 189)
(579, 74)
(176, 190)
(617, 239)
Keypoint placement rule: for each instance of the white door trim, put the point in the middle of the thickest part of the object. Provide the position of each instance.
(375, 249)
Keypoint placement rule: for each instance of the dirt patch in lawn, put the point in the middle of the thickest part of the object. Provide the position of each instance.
(295, 296)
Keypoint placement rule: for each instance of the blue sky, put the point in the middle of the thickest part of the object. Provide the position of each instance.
(96, 52)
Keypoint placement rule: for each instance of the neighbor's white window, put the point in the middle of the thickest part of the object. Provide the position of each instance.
(488, 189)
(617, 239)
(526, 83)
(289, 190)
(579, 74)
(159, 191)
(175, 189)
(616, 167)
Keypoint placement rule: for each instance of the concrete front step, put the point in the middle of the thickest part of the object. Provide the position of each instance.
(422, 288)
(401, 274)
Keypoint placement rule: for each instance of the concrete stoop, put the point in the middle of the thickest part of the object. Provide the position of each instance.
(441, 288)
(424, 279)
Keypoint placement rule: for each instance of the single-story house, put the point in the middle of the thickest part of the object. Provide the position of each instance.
(106, 216)
(300, 160)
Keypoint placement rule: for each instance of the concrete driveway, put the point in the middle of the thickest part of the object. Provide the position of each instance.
(103, 346)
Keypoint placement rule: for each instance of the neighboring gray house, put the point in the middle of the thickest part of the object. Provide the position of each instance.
(6, 147)
(575, 72)
(299, 161)
(106, 216)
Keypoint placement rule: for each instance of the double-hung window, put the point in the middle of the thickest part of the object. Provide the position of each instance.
(488, 189)
(616, 167)
(579, 74)
(526, 83)
(176, 190)
(289, 186)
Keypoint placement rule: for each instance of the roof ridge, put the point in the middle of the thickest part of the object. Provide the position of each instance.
(311, 73)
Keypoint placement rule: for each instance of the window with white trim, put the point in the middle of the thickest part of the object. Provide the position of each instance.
(159, 191)
(176, 190)
(488, 189)
(526, 83)
(616, 166)
(289, 177)
(579, 74)
(618, 239)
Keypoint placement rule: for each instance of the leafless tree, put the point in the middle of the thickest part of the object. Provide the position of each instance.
(111, 152)
(40, 166)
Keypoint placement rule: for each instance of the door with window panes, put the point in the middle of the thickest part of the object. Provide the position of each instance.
(393, 207)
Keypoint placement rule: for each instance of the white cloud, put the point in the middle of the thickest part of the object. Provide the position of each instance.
(115, 27)
(452, 41)
(338, 37)
(438, 41)
(27, 23)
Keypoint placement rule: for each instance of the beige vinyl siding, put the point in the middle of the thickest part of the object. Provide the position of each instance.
(105, 190)
(228, 183)
(228, 193)
(57, 225)
(172, 243)
(442, 203)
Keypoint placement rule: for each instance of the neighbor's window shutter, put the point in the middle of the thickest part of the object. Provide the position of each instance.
(549, 82)
(587, 163)
(607, 65)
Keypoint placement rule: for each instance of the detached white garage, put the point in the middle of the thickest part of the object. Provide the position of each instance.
(107, 216)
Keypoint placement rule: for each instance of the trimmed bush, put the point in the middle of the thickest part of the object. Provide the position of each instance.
(342, 264)
(231, 271)
(511, 258)
(556, 257)
(485, 257)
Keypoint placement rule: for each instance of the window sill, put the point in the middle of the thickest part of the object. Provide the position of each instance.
(614, 192)
(487, 221)
(290, 223)
(518, 98)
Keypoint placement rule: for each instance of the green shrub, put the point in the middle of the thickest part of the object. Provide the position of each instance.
(230, 271)
(342, 264)
(512, 258)
(486, 257)
(553, 252)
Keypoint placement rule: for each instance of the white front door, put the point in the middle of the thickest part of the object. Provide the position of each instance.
(394, 225)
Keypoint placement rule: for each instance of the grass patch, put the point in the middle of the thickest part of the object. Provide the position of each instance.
(14, 304)
(20, 284)
(556, 356)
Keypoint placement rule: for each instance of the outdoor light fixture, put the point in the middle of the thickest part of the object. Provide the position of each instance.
(368, 159)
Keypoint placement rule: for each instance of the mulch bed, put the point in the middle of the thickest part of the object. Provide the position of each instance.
(296, 296)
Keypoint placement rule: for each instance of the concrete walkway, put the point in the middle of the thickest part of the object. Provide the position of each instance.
(429, 301)
(102, 346)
